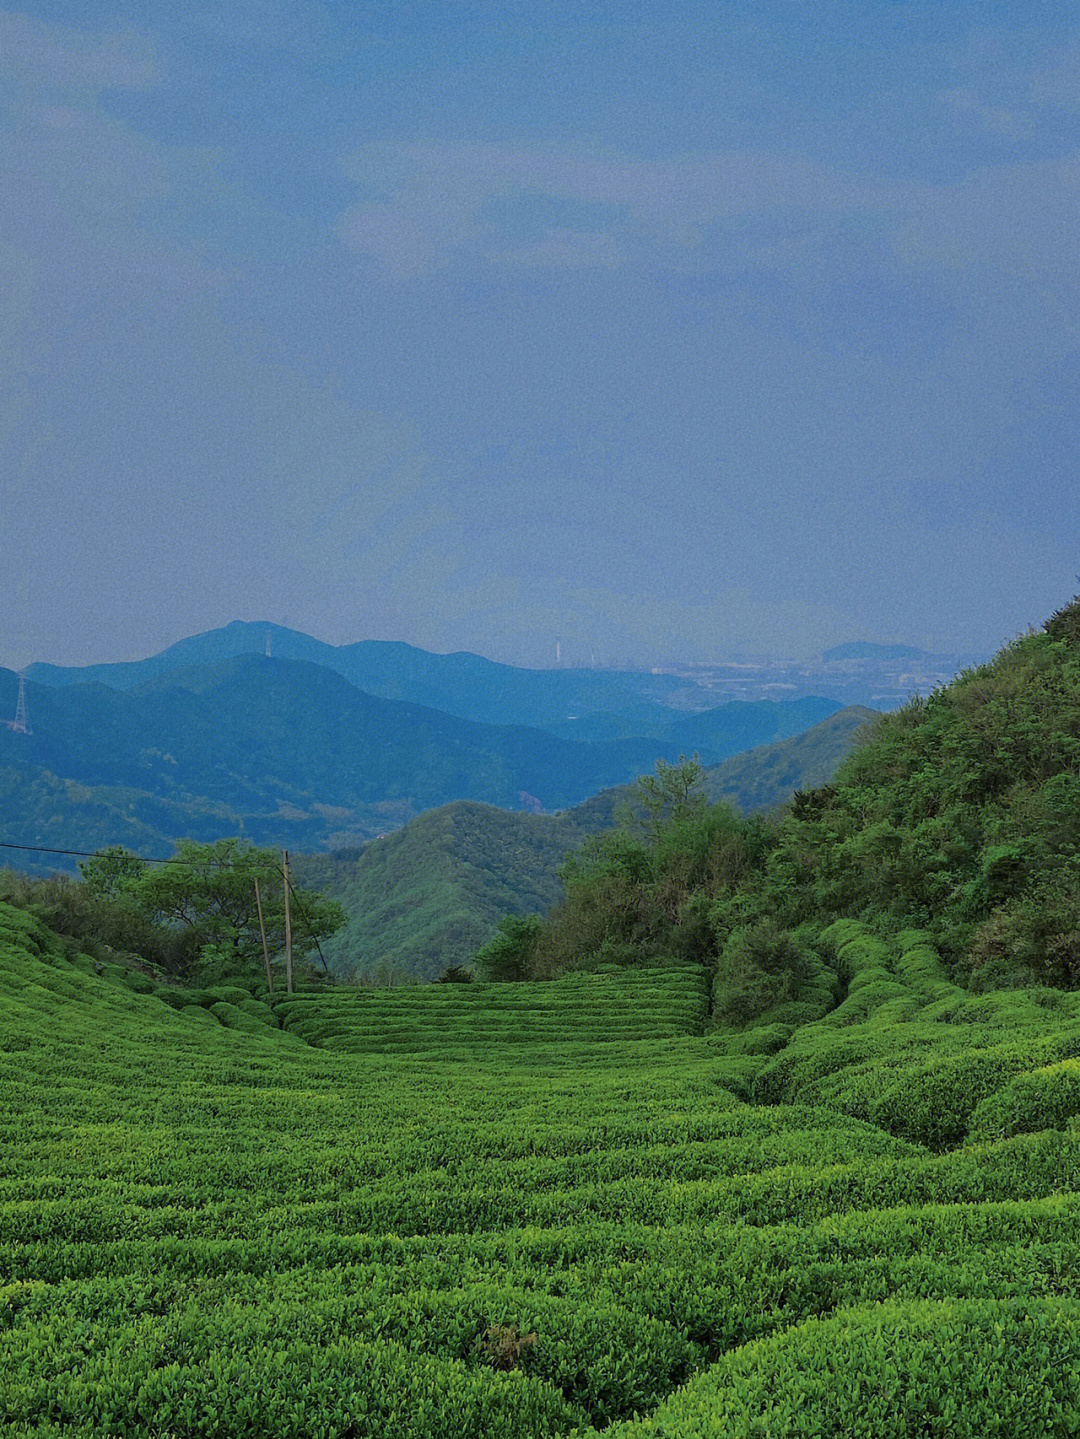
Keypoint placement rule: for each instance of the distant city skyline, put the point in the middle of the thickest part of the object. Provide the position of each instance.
(673, 334)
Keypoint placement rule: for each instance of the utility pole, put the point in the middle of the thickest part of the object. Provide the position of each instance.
(288, 922)
(262, 931)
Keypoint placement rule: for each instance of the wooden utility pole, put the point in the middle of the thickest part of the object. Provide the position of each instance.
(288, 922)
(262, 931)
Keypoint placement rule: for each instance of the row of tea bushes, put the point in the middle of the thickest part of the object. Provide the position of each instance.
(620, 1006)
(965, 1368)
(389, 1213)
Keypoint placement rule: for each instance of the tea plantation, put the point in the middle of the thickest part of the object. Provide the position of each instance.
(539, 1209)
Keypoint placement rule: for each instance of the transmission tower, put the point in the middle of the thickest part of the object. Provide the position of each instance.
(20, 724)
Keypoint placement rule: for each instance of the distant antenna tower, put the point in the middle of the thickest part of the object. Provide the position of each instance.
(19, 724)
(558, 652)
(267, 644)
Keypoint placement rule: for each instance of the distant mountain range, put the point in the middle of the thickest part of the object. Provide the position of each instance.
(289, 750)
(317, 746)
(465, 685)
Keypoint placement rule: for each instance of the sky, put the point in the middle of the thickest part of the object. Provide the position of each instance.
(690, 332)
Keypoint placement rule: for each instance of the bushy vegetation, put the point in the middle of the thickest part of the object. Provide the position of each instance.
(427, 896)
(960, 815)
(536, 1209)
(196, 915)
(430, 894)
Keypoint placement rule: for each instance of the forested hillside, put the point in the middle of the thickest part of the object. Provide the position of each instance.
(427, 896)
(960, 815)
(293, 753)
(713, 734)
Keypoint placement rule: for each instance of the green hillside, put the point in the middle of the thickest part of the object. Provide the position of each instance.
(430, 894)
(960, 814)
(768, 775)
(790, 1145)
(537, 1211)
(715, 733)
(282, 750)
(292, 754)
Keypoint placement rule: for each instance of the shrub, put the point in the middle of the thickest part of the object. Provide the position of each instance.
(760, 966)
(958, 1369)
(1045, 1098)
(509, 953)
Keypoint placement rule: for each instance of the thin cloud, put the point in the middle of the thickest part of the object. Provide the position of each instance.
(566, 249)
(440, 208)
(32, 51)
(432, 207)
(1002, 120)
(1018, 220)
(1056, 85)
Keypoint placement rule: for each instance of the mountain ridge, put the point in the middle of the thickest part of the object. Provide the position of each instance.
(283, 751)
(461, 683)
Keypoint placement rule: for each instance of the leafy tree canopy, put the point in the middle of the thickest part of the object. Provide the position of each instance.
(112, 873)
(210, 888)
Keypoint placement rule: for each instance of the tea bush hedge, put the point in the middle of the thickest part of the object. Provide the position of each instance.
(341, 1212)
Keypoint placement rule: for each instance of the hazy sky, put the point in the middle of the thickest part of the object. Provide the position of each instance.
(704, 329)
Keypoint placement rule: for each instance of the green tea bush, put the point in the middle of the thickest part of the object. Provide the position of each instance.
(1046, 1098)
(962, 1369)
(212, 1224)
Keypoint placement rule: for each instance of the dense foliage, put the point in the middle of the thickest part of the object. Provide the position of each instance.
(428, 895)
(197, 914)
(960, 814)
(536, 1209)
(963, 815)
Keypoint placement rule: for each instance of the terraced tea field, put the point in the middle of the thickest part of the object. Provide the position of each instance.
(536, 1210)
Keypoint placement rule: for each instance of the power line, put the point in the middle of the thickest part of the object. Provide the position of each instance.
(310, 929)
(158, 859)
(96, 854)
(127, 854)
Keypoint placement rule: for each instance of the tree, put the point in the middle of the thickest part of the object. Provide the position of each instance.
(112, 873)
(209, 889)
(642, 892)
(675, 792)
(508, 953)
(105, 909)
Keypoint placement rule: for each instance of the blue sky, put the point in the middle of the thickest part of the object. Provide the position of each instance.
(697, 331)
